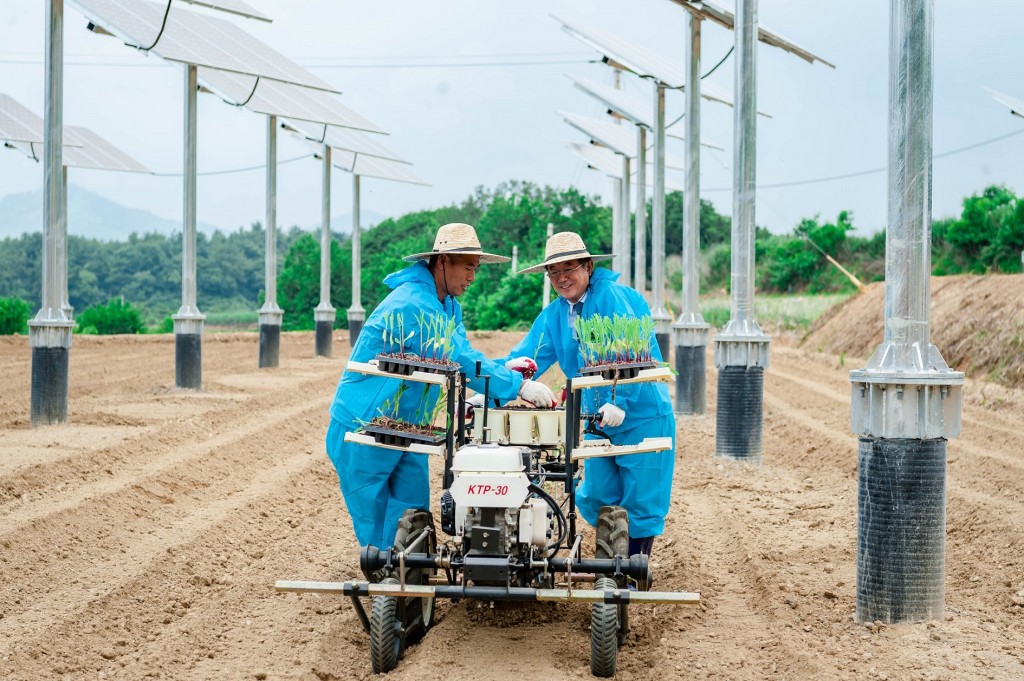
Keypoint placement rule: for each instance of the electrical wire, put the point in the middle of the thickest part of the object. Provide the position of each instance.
(712, 70)
(163, 25)
(236, 170)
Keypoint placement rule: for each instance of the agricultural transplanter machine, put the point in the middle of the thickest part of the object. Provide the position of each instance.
(509, 537)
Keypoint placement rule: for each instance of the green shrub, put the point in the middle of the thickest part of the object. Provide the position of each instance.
(117, 316)
(14, 314)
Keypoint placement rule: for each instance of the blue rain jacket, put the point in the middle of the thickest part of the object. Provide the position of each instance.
(640, 483)
(380, 484)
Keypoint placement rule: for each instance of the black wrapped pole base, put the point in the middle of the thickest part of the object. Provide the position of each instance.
(270, 345)
(49, 401)
(354, 327)
(901, 529)
(188, 361)
(664, 344)
(324, 331)
(738, 421)
(691, 384)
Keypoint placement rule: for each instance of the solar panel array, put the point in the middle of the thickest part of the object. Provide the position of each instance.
(620, 139)
(193, 38)
(20, 124)
(723, 17)
(381, 168)
(275, 98)
(345, 140)
(1015, 106)
(232, 6)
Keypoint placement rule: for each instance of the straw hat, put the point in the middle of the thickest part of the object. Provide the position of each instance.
(457, 238)
(562, 247)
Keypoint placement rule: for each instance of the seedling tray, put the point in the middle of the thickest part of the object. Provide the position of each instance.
(401, 438)
(403, 366)
(611, 372)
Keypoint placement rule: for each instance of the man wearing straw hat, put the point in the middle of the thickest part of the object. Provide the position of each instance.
(640, 483)
(378, 484)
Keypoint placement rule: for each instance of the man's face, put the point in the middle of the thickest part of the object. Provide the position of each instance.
(460, 272)
(571, 278)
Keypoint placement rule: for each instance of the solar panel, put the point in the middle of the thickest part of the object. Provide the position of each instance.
(626, 105)
(1015, 105)
(640, 60)
(344, 140)
(232, 6)
(722, 17)
(605, 161)
(192, 38)
(97, 153)
(621, 139)
(370, 166)
(275, 98)
(22, 129)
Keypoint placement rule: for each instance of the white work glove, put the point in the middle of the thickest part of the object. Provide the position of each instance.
(611, 415)
(524, 365)
(538, 394)
(476, 401)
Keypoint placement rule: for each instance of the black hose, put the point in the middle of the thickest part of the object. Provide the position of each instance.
(558, 514)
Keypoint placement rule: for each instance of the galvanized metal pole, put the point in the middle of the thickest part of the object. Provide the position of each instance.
(659, 314)
(690, 330)
(741, 349)
(627, 259)
(515, 258)
(906, 402)
(356, 313)
(546, 298)
(640, 235)
(270, 315)
(188, 323)
(617, 256)
(62, 248)
(50, 331)
(324, 314)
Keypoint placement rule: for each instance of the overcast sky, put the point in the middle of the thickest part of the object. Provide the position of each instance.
(464, 126)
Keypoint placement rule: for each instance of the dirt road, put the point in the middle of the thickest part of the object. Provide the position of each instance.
(144, 539)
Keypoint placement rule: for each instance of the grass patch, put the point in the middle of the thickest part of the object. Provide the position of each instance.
(786, 313)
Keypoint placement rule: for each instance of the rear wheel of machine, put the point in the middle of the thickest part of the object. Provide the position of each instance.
(385, 631)
(613, 540)
(604, 632)
(419, 612)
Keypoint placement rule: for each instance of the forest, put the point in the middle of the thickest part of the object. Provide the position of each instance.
(143, 273)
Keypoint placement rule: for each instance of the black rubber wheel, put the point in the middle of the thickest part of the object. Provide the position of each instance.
(418, 613)
(385, 631)
(604, 632)
(612, 532)
(613, 540)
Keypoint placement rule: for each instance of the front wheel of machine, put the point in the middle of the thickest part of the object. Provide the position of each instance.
(604, 632)
(385, 632)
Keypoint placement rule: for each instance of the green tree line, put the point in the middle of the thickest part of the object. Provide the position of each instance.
(988, 236)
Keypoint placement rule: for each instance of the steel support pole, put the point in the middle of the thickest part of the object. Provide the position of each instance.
(356, 313)
(640, 233)
(188, 323)
(617, 224)
(270, 315)
(690, 331)
(741, 349)
(906, 402)
(515, 259)
(627, 242)
(62, 249)
(50, 330)
(546, 296)
(324, 314)
(662, 320)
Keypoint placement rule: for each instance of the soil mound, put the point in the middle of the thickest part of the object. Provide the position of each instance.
(977, 323)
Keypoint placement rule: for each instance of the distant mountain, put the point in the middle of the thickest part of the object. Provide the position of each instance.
(89, 215)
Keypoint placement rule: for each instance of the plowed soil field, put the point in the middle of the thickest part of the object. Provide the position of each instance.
(143, 539)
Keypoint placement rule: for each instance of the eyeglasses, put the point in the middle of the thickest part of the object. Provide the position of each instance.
(555, 275)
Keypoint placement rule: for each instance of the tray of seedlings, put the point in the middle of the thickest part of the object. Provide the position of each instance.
(388, 429)
(616, 348)
(434, 345)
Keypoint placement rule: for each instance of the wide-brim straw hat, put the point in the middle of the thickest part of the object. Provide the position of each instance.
(563, 247)
(457, 238)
